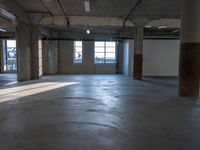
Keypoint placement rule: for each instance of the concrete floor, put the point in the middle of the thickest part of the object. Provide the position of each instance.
(7, 78)
(97, 112)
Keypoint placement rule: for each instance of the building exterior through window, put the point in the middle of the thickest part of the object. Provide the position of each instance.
(105, 52)
(9, 56)
(78, 54)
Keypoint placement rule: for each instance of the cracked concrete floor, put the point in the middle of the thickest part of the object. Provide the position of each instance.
(97, 112)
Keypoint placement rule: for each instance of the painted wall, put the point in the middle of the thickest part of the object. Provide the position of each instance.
(126, 57)
(66, 65)
(160, 57)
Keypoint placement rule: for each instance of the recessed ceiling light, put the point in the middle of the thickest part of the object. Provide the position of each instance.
(87, 5)
(148, 26)
(88, 31)
(162, 27)
(2, 30)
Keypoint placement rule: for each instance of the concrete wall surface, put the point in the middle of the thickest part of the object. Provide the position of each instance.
(67, 66)
(160, 57)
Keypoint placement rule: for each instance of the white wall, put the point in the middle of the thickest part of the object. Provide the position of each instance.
(126, 57)
(160, 57)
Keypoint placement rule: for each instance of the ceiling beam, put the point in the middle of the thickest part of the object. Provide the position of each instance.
(84, 21)
(14, 8)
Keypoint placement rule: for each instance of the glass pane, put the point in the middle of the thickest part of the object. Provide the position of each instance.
(99, 49)
(99, 57)
(110, 50)
(78, 49)
(110, 44)
(78, 43)
(102, 44)
(110, 57)
(11, 43)
(78, 58)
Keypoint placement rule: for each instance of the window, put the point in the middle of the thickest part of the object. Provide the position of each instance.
(78, 52)
(105, 52)
(10, 56)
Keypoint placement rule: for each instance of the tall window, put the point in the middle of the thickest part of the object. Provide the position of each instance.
(10, 55)
(105, 52)
(78, 52)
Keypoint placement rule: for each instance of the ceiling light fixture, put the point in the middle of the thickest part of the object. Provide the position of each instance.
(148, 26)
(87, 5)
(88, 31)
(2, 30)
(162, 27)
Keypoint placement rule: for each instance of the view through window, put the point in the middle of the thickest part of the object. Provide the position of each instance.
(78, 52)
(105, 52)
(10, 63)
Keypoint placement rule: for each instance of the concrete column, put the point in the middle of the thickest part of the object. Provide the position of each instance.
(53, 57)
(23, 41)
(189, 67)
(1, 56)
(27, 37)
(138, 53)
(45, 57)
(34, 52)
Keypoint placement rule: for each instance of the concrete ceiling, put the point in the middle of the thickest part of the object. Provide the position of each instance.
(106, 16)
(107, 8)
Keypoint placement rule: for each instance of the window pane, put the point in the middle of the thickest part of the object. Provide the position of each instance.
(110, 50)
(78, 43)
(99, 44)
(99, 57)
(99, 49)
(110, 44)
(78, 49)
(78, 52)
(11, 43)
(110, 57)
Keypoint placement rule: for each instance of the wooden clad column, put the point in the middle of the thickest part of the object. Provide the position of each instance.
(189, 66)
(138, 53)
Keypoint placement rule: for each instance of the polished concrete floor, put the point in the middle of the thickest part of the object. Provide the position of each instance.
(7, 78)
(97, 112)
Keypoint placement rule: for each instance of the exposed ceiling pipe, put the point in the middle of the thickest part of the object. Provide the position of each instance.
(68, 22)
(46, 8)
(130, 13)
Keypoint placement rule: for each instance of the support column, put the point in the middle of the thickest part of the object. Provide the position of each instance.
(1, 56)
(45, 57)
(27, 37)
(189, 66)
(138, 53)
(34, 52)
(23, 41)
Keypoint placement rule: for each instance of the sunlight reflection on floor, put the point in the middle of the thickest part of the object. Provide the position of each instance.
(12, 93)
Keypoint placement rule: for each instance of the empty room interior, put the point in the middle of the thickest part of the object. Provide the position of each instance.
(99, 74)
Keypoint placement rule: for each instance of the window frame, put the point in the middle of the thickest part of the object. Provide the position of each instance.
(104, 52)
(74, 52)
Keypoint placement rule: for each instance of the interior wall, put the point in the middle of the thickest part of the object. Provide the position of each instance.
(160, 57)
(66, 65)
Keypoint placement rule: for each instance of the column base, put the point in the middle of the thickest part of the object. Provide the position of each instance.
(189, 70)
(137, 70)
